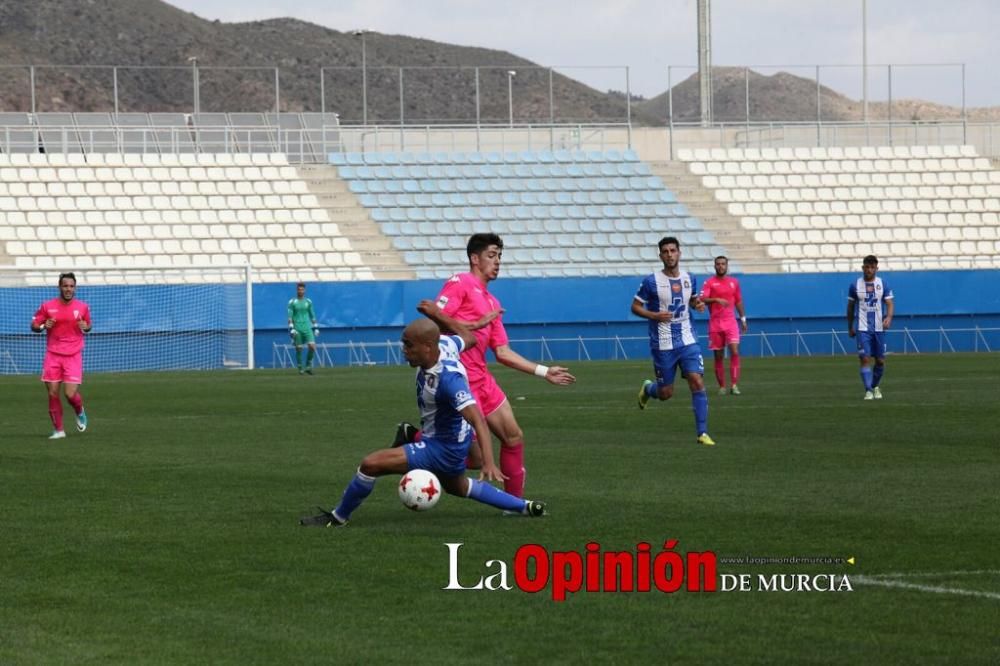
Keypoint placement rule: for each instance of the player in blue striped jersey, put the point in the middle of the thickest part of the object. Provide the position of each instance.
(666, 298)
(870, 306)
(447, 409)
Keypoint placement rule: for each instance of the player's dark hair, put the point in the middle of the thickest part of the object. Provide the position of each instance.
(722, 256)
(63, 276)
(667, 240)
(479, 242)
(300, 284)
(871, 259)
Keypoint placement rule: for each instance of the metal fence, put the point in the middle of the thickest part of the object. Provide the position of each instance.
(490, 94)
(620, 348)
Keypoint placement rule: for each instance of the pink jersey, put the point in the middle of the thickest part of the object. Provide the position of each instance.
(466, 299)
(65, 337)
(725, 287)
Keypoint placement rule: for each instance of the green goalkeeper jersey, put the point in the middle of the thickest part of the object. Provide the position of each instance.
(301, 313)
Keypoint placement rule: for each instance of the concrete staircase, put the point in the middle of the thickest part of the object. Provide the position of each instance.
(355, 224)
(739, 243)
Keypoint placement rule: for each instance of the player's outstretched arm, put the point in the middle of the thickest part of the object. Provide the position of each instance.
(489, 471)
(555, 374)
(430, 309)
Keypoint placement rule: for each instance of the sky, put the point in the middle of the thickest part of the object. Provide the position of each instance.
(594, 40)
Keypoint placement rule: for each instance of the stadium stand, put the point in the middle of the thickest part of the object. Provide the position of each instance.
(101, 212)
(819, 209)
(561, 213)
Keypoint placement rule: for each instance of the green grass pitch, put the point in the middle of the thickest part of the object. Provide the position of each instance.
(168, 532)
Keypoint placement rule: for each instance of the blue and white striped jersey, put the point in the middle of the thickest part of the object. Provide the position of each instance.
(660, 293)
(871, 304)
(442, 392)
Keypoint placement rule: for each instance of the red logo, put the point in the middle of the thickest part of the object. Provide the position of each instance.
(431, 490)
(675, 287)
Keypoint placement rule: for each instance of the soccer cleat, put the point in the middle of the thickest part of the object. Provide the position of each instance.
(722, 390)
(57, 434)
(643, 396)
(534, 509)
(705, 440)
(81, 421)
(323, 519)
(405, 433)
(877, 392)
(869, 395)
(309, 371)
(735, 390)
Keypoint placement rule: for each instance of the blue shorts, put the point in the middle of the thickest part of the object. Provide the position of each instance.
(871, 343)
(665, 363)
(436, 457)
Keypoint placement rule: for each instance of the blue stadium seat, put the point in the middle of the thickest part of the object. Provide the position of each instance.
(358, 187)
(630, 156)
(494, 158)
(562, 156)
(424, 158)
(338, 159)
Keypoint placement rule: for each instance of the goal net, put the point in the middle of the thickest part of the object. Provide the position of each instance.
(144, 319)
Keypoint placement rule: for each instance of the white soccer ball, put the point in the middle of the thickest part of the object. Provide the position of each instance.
(419, 490)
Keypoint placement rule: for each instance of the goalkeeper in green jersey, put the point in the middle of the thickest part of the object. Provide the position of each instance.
(302, 327)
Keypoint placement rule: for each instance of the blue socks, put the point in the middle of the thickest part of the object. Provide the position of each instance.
(699, 402)
(652, 390)
(866, 377)
(357, 490)
(877, 374)
(487, 494)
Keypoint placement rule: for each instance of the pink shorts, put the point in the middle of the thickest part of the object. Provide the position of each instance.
(720, 335)
(488, 394)
(61, 368)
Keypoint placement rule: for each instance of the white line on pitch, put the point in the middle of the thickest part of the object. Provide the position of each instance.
(937, 574)
(865, 580)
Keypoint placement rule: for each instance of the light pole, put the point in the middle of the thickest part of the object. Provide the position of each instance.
(510, 96)
(364, 74)
(194, 83)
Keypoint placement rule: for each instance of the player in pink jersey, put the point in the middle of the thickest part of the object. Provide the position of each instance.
(721, 293)
(64, 320)
(466, 299)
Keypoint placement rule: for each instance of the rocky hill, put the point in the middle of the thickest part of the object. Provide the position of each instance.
(73, 44)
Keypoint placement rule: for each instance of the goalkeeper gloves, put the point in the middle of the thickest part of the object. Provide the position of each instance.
(315, 331)
(291, 333)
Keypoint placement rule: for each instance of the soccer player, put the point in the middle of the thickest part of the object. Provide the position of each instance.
(465, 299)
(870, 308)
(721, 293)
(447, 408)
(302, 327)
(665, 299)
(64, 320)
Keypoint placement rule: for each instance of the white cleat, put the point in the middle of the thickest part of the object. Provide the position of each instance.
(722, 390)
(58, 434)
(877, 392)
(869, 395)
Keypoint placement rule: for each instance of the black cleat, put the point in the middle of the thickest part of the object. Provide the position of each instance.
(535, 509)
(323, 519)
(405, 433)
